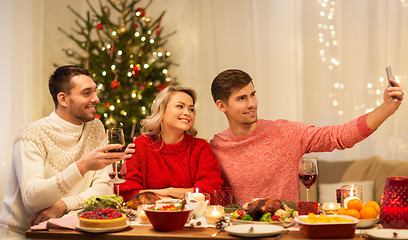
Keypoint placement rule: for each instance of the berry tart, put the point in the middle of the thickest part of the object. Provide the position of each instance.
(102, 218)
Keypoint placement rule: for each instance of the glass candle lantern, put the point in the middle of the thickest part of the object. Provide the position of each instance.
(331, 208)
(394, 203)
(213, 213)
(349, 192)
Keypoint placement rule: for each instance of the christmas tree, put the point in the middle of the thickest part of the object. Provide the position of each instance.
(126, 59)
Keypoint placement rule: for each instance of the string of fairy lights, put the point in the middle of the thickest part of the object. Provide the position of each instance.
(328, 44)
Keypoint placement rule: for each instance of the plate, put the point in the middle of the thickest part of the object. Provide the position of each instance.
(102, 230)
(259, 230)
(283, 224)
(387, 234)
(366, 223)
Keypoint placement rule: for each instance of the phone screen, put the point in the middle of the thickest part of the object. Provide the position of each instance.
(389, 75)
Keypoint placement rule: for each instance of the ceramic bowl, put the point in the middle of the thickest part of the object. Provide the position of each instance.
(366, 223)
(166, 220)
(327, 230)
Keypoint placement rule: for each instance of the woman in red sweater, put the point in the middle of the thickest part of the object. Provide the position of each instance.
(168, 159)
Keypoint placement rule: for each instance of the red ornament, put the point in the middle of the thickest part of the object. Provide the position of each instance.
(114, 84)
(99, 26)
(111, 50)
(160, 87)
(140, 12)
(107, 104)
(135, 25)
(158, 29)
(135, 71)
(97, 116)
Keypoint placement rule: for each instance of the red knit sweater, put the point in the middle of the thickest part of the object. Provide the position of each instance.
(265, 162)
(155, 165)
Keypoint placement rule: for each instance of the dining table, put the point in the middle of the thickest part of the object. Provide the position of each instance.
(148, 233)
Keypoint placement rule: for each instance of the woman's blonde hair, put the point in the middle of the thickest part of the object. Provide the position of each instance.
(151, 125)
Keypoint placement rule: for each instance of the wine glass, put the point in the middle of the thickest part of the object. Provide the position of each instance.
(117, 170)
(308, 173)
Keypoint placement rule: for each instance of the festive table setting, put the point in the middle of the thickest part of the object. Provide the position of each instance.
(147, 216)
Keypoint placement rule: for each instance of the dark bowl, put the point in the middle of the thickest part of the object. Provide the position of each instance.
(168, 221)
(328, 230)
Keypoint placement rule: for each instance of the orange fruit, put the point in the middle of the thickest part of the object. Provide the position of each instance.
(373, 204)
(342, 211)
(355, 203)
(368, 212)
(353, 213)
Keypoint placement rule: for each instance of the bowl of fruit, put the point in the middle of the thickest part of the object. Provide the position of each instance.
(168, 217)
(367, 213)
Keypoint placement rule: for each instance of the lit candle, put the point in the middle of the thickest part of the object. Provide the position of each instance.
(198, 196)
(143, 219)
(213, 213)
(352, 195)
(330, 208)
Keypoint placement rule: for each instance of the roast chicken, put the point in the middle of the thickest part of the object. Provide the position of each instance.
(142, 198)
(259, 207)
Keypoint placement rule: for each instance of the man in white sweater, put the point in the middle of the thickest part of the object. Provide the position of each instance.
(58, 161)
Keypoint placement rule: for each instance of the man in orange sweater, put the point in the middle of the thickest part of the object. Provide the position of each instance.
(260, 158)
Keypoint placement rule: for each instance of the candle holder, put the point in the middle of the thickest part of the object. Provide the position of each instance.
(141, 215)
(213, 213)
(223, 196)
(304, 208)
(394, 203)
(331, 208)
(349, 192)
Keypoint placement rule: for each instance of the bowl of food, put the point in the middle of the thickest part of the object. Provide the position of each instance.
(366, 223)
(167, 217)
(327, 226)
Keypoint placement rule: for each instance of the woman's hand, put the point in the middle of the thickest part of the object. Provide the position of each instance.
(130, 149)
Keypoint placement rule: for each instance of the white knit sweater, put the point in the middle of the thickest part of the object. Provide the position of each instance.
(43, 169)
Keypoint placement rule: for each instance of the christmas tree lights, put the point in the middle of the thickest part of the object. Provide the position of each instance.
(127, 59)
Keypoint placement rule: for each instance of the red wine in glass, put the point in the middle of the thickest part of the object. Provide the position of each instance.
(308, 173)
(308, 179)
(120, 175)
(117, 170)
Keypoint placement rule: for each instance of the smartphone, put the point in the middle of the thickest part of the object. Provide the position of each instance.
(389, 75)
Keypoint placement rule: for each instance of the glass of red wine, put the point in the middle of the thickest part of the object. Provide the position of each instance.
(117, 170)
(308, 173)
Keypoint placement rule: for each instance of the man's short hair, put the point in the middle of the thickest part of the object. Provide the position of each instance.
(227, 81)
(60, 80)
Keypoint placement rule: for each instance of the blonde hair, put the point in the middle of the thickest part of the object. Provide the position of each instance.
(151, 125)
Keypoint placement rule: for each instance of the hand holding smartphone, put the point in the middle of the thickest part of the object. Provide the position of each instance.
(389, 75)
